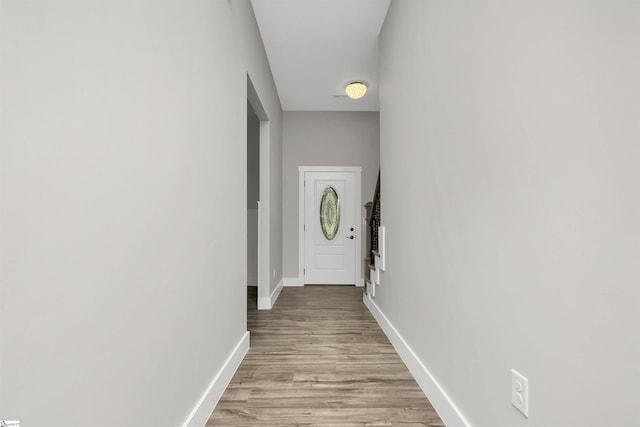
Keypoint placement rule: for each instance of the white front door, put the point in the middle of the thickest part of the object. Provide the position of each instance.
(331, 227)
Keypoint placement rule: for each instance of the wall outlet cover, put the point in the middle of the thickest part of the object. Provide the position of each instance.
(520, 392)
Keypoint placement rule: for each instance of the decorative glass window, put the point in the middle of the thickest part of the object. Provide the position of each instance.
(330, 213)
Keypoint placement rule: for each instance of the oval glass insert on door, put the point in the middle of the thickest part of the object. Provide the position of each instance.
(330, 213)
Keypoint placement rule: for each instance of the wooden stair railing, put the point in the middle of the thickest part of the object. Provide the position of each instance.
(373, 222)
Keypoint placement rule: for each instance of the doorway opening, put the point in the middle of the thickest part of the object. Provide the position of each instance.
(258, 198)
(253, 203)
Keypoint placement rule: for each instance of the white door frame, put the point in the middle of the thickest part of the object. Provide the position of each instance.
(357, 170)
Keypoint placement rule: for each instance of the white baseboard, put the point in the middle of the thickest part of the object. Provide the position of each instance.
(267, 303)
(360, 283)
(293, 281)
(276, 293)
(264, 303)
(441, 402)
(207, 403)
(371, 289)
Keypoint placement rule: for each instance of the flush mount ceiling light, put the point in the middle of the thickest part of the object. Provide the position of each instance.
(356, 90)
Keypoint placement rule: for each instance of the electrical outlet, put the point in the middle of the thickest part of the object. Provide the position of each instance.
(520, 392)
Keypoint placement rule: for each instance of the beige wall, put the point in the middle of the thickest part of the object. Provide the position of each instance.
(511, 203)
(324, 139)
(122, 205)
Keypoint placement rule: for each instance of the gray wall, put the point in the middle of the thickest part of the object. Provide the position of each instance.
(324, 139)
(509, 150)
(122, 280)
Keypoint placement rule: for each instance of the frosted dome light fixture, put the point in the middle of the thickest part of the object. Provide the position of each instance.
(356, 90)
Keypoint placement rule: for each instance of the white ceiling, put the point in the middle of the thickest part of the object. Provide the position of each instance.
(316, 47)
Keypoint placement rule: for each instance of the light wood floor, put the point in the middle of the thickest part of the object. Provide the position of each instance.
(320, 359)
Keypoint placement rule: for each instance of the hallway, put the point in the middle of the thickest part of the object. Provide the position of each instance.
(320, 359)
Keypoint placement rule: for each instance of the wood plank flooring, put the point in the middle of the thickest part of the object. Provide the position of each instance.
(320, 359)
